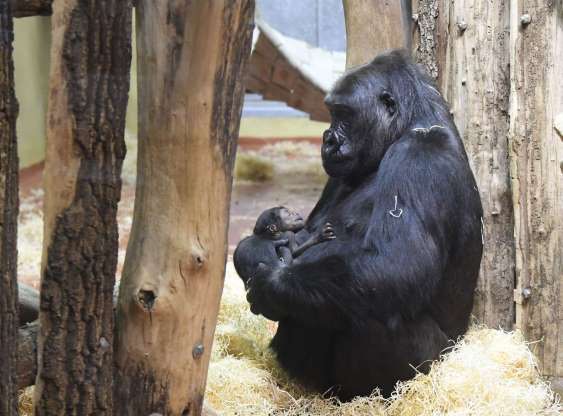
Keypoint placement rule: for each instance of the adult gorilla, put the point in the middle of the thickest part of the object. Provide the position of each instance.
(397, 283)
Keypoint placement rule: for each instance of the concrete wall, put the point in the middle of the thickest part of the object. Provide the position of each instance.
(318, 22)
(31, 65)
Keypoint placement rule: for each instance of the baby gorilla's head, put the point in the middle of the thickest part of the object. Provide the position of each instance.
(274, 221)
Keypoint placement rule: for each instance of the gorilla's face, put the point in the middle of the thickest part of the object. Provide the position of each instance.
(363, 111)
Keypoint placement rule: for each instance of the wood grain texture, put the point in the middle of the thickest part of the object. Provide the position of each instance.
(464, 45)
(536, 153)
(191, 60)
(373, 26)
(89, 83)
(272, 75)
(8, 217)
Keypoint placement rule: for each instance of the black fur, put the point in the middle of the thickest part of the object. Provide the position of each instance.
(357, 312)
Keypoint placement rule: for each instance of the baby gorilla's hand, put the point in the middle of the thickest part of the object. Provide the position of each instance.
(327, 232)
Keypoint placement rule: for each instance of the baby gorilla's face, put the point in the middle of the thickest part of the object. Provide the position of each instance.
(290, 220)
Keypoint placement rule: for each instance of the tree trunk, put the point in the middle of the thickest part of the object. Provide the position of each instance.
(373, 26)
(191, 57)
(90, 64)
(465, 46)
(24, 8)
(8, 217)
(536, 109)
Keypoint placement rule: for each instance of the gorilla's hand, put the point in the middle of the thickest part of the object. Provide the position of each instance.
(256, 296)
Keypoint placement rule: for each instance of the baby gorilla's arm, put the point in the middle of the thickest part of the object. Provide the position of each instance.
(325, 234)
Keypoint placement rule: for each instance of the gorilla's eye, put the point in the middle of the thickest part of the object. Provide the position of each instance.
(389, 102)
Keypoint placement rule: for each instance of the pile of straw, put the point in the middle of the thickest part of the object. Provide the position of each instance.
(489, 372)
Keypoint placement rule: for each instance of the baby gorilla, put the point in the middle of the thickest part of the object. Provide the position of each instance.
(273, 241)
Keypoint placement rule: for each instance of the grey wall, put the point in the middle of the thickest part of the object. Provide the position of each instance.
(318, 22)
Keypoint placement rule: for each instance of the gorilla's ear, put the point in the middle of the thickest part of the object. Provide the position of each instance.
(387, 99)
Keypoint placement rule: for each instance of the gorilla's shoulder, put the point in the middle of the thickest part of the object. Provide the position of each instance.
(436, 139)
(432, 147)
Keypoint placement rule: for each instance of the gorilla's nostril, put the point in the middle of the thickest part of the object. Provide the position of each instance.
(330, 140)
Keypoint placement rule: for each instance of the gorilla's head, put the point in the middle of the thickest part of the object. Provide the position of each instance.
(371, 106)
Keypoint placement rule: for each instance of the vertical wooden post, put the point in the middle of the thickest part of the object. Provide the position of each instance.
(191, 57)
(465, 46)
(536, 147)
(8, 217)
(373, 26)
(90, 64)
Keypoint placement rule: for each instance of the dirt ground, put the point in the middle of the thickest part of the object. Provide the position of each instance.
(296, 181)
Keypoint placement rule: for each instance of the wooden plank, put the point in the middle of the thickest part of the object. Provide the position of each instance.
(254, 84)
(8, 217)
(373, 26)
(284, 74)
(261, 67)
(277, 93)
(266, 48)
(89, 84)
(536, 154)
(190, 102)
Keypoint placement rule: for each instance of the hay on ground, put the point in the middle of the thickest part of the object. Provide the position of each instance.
(489, 372)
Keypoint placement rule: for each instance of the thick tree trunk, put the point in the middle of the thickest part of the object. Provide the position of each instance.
(373, 26)
(536, 135)
(24, 8)
(8, 217)
(465, 46)
(90, 63)
(191, 57)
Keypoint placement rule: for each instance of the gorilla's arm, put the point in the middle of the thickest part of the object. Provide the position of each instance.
(397, 266)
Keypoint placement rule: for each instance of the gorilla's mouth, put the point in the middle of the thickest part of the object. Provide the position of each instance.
(341, 153)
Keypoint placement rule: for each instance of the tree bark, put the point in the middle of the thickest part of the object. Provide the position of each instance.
(191, 58)
(8, 217)
(465, 47)
(90, 64)
(372, 26)
(25, 8)
(536, 156)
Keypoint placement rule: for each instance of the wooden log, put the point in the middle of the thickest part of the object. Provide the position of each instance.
(89, 82)
(373, 26)
(430, 47)
(8, 217)
(25, 8)
(191, 59)
(536, 156)
(475, 81)
(27, 354)
(28, 304)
